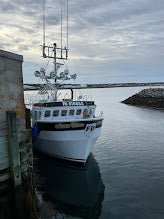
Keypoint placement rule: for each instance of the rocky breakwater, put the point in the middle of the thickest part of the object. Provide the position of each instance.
(147, 97)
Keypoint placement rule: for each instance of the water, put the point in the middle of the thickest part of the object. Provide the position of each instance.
(124, 177)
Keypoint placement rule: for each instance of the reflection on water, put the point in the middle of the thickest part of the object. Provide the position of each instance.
(76, 191)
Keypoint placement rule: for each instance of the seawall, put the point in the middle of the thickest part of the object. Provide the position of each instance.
(153, 97)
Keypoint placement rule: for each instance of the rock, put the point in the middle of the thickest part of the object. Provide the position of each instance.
(147, 97)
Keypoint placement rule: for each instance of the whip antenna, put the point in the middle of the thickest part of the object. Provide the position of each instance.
(67, 24)
(44, 55)
(61, 28)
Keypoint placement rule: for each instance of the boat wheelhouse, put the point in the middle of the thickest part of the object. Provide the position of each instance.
(63, 110)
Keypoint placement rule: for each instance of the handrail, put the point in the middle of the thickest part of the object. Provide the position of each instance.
(101, 113)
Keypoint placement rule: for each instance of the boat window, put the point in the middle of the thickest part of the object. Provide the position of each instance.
(63, 112)
(56, 113)
(85, 112)
(71, 112)
(35, 115)
(47, 113)
(91, 112)
(39, 116)
(78, 111)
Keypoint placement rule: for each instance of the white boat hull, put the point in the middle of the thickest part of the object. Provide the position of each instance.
(72, 145)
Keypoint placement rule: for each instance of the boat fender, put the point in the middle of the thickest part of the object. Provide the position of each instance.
(35, 131)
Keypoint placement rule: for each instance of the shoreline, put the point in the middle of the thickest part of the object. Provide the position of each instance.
(29, 86)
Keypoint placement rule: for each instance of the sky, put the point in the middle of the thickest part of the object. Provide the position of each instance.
(110, 41)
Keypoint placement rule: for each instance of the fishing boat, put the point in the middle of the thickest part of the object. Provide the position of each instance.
(64, 128)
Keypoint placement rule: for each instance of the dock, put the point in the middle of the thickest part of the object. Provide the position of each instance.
(16, 156)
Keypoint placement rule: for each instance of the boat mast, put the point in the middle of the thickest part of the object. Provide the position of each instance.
(67, 25)
(61, 28)
(44, 38)
(59, 53)
(54, 50)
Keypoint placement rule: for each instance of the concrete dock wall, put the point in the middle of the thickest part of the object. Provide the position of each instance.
(11, 86)
(15, 140)
(11, 99)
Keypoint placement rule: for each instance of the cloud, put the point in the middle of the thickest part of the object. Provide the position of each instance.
(120, 36)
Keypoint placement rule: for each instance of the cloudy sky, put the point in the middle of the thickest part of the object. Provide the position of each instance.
(109, 40)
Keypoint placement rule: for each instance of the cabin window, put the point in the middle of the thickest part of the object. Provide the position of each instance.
(39, 116)
(91, 112)
(35, 115)
(85, 112)
(71, 112)
(78, 111)
(47, 113)
(56, 113)
(63, 112)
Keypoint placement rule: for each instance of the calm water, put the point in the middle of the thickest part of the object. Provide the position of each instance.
(124, 177)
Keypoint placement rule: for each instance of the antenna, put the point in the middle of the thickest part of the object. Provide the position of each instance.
(67, 25)
(58, 52)
(61, 27)
(44, 55)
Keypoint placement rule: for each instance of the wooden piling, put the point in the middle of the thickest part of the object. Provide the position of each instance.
(13, 145)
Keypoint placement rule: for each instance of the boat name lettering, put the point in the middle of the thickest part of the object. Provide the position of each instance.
(68, 126)
(73, 104)
(77, 125)
(62, 126)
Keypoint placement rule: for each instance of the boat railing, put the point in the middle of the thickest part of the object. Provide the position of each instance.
(101, 114)
(32, 98)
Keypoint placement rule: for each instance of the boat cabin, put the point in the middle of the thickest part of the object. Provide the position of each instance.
(63, 111)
